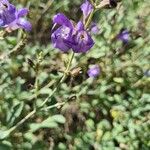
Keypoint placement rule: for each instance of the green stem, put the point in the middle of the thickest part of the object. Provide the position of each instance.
(22, 121)
(60, 81)
(32, 113)
(45, 101)
(36, 84)
(89, 19)
(53, 106)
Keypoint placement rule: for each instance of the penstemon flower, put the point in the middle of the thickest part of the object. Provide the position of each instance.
(62, 37)
(94, 71)
(86, 8)
(69, 36)
(82, 41)
(11, 18)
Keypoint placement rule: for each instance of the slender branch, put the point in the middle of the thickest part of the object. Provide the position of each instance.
(36, 85)
(45, 101)
(53, 106)
(32, 113)
(60, 81)
(22, 121)
(89, 19)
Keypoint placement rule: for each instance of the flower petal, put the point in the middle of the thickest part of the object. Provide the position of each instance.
(61, 19)
(80, 26)
(22, 12)
(1, 22)
(11, 8)
(86, 8)
(12, 26)
(83, 42)
(59, 41)
(24, 24)
(94, 28)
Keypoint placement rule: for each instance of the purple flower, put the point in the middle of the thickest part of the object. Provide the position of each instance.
(94, 71)
(11, 18)
(69, 36)
(124, 36)
(82, 40)
(86, 8)
(61, 37)
(94, 28)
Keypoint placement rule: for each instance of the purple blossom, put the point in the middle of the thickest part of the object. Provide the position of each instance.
(94, 71)
(69, 36)
(11, 18)
(62, 37)
(124, 36)
(82, 40)
(94, 28)
(86, 8)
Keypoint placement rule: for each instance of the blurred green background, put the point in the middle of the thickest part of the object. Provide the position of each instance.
(110, 112)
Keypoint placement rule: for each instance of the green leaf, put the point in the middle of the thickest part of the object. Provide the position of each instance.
(36, 126)
(4, 147)
(118, 80)
(50, 122)
(11, 40)
(59, 118)
(45, 91)
(14, 113)
(4, 134)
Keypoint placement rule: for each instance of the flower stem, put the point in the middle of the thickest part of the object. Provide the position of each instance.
(59, 104)
(60, 81)
(22, 121)
(89, 19)
(46, 100)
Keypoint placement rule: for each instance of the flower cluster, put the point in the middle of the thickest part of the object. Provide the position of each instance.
(69, 36)
(11, 18)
